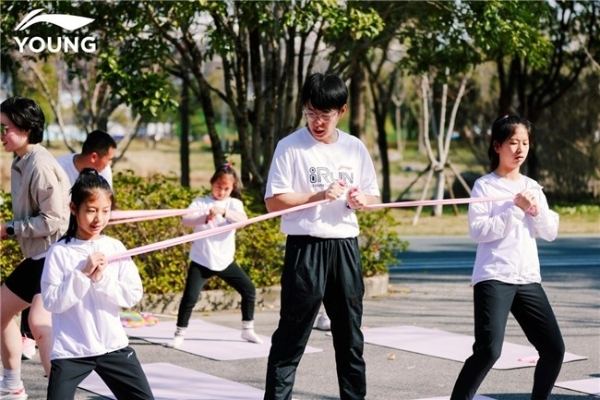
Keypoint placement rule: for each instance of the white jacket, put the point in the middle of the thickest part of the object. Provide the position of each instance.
(85, 315)
(506, 235)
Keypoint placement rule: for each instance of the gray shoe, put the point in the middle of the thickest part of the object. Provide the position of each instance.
(323, 322)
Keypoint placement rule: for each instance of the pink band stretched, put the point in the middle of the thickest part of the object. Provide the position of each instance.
(209, 232)
(121, 216)
(139, 215)
(418, 203)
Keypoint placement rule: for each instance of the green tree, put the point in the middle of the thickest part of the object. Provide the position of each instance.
(50, 74)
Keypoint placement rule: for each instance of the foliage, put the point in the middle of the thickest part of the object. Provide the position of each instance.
(379, 241)
(260, 246)
(162, 271)
(568, 135)
(580, 209)
(10, 254)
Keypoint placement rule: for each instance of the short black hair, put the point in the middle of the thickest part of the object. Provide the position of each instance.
(99, 142)
(324, 92)
(27, 115)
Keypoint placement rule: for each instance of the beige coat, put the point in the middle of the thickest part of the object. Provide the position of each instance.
(40, 201)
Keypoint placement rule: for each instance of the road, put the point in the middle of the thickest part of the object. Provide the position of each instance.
(437, 252)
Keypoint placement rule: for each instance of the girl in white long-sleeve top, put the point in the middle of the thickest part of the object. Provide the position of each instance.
(214, 256)
(506, 274)
(84, 293)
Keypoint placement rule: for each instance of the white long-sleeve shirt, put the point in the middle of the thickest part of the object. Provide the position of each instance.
(218, 251)
(506, 235)
(85, 315)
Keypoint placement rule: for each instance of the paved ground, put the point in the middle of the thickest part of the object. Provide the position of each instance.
(430, 299)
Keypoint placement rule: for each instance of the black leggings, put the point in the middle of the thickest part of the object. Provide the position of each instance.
(197, 276)
(120, 370)
(493, 300)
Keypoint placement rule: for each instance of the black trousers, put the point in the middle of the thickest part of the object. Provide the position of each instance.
(493, 300)
(319, 270)
(197, 276)
(120, 370)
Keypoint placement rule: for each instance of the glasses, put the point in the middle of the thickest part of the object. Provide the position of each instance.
(325, 117)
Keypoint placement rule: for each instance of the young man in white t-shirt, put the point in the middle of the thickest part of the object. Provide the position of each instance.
(97, 152)
(322, 259)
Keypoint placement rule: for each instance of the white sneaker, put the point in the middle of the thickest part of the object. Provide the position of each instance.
(29, 349)
(323, 322)
(176, 342)
(13, 394)
(248, 333)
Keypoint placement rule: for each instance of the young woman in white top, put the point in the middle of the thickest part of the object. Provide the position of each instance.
(214, 256)
(506, 274)
(84, 293)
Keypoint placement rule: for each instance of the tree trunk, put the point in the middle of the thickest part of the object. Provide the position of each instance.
(358, 83)
(184, 149)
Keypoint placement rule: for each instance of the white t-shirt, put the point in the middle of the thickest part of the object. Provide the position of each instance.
(85, 315)
(302, 164)
(68, 165)
(506, 235)
(215, 252)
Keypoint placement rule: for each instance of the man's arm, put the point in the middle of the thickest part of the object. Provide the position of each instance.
(283, 201)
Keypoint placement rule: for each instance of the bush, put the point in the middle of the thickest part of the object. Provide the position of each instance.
(260, 246)
(162, 271)
(379, 241)
(10, 254)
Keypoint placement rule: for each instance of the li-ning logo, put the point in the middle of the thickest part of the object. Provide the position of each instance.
(66, 44)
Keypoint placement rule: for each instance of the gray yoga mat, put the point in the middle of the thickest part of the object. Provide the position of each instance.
(477, 397)
(452, 346)
(172, 382)
(208, 340)
(589, 386)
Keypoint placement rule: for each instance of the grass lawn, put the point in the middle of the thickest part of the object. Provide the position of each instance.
(449, 224)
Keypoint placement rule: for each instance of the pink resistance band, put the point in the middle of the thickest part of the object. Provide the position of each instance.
(140, 215)
(122, 216)
(418, 203)
(209, 232)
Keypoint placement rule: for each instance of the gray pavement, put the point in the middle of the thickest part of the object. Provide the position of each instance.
(436, 299)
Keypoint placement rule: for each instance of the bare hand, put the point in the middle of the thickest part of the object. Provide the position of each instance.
(527, 202)
(94, 265)
(356, 199)
(97, 275)
(213, 212)
(217, 211)
(335, 190)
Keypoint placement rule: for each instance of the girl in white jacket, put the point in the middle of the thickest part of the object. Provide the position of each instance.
(506, 274)
(84, 293)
